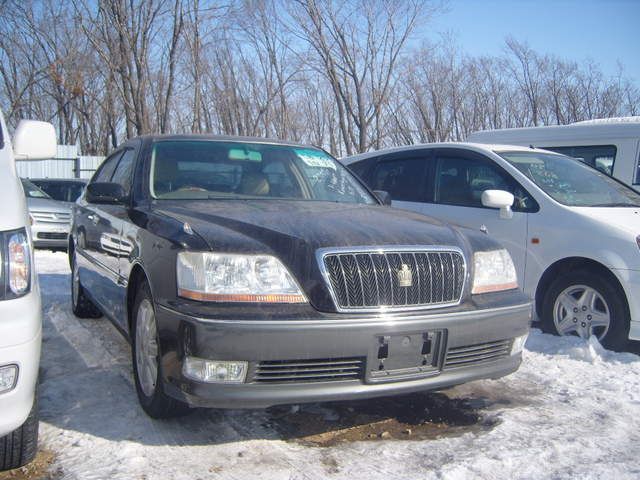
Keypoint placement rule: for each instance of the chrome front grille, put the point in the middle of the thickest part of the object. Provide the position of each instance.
(478, 353)
(51, 217)
(394, 279)
(318, 370)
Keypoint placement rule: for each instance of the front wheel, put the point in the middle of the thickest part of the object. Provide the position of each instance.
(20, 446)
(583, 303)
(146, 360)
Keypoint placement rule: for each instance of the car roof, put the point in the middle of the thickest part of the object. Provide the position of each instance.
(626, 127)
(218, 138)
(70, 180)
(477, 147)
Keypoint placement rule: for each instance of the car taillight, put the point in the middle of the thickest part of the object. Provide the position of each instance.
(16, 264)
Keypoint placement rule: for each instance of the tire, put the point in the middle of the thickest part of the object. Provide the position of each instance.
(582, 303)
(20, 446)
(81, 305)
(145, 354)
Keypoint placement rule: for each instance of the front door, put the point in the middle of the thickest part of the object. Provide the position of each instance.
(455, 185)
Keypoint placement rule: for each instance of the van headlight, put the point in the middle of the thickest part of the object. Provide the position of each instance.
(493, 271)
(227, 277)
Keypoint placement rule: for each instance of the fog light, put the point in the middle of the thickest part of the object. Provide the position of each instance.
(518, 344)
(8, 377)
(214, 371)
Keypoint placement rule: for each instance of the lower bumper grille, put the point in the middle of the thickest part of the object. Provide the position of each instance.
(52, 236)
(320, 370)
(478, 353)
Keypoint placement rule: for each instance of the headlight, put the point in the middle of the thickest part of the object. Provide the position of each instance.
(223, 277)
(493, 271)
(16, 264)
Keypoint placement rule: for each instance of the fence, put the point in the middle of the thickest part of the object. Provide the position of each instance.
(66, 164)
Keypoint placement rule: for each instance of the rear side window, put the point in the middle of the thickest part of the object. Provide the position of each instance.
(403, 178)
(601, 157)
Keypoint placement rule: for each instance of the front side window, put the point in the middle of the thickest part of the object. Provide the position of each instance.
(403, 178)
(106, 169)
(204, 169)
(570, 182)
(601, 157)
(123, 172)
(461, 180)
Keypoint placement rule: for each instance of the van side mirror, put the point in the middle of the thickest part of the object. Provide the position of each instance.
(383, 196)
(499, 199)
(105, 192)
(34, 140)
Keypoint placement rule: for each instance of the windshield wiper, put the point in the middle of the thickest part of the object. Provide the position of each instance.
(619, 204)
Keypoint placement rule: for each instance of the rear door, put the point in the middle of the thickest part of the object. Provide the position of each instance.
(93, 227)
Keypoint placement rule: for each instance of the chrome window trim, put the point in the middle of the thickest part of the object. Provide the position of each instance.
(321, 253)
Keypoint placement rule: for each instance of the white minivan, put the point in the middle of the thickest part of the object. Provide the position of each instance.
(573, 232)
(611, 145)
(20, 309)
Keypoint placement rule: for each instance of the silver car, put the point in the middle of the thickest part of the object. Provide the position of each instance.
(50, 219)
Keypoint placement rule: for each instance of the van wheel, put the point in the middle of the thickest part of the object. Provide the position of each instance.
(146, 360)
(81, 305)
(20, 446)
(582, 303)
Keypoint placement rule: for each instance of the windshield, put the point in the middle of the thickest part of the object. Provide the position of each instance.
(31, 191)
(203, 169)
(571, 182)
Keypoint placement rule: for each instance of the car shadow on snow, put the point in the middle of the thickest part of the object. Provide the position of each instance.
(86, 385)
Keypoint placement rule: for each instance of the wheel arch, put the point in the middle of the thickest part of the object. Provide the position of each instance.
(136, 278)
(574, 263)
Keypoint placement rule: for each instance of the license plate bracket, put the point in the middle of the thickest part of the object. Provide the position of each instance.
(403, 356)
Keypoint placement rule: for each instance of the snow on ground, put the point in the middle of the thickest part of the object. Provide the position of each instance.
(571, 411)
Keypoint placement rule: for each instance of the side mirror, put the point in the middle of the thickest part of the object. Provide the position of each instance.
(499, 199)
(34, 140)
(105, 192)
(383, 196)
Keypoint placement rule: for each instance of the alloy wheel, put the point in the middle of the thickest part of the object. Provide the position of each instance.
(581, 310)
(146, 348)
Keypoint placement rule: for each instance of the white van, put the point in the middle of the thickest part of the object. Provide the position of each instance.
(573, 232)
(20, 309)
(611, 145)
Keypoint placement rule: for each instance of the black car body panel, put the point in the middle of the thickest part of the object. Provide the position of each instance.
(117, 244)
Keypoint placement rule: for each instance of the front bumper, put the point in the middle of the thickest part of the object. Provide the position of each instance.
(630, 281)
(50, 234)
(476, 335)
(20, 341)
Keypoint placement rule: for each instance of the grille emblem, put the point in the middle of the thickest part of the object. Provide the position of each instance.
(405, 277)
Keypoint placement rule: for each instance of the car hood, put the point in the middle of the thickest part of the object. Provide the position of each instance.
(47, 205)
(295, 230)
(623, 218)
(278, 224)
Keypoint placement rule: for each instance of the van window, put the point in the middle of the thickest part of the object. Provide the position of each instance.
(601, 157)
(403, 178)
(636, 179)
(461, 181)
